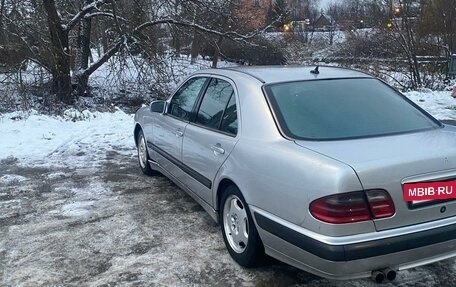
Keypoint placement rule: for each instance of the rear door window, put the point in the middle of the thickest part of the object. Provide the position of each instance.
(229, 121)
(216, 108)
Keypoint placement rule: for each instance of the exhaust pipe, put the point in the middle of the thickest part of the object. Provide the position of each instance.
(380, 275)
(389, 273)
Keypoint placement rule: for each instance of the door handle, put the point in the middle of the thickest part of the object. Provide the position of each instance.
(179, 133)
(217, 149)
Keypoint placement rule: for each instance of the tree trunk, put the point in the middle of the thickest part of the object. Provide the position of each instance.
(105, 41)
(2, 31)
(60, 53)
(416, 69)
(410, 45)
(80, 80)
(195, 48)
(331, 36)
(176, 42)
(216, 55)
(176, 33)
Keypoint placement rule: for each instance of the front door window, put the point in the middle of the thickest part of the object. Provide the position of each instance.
(183, 101)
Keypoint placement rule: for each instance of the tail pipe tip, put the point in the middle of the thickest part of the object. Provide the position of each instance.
(377, 276)
(389, 273)
(380, 275)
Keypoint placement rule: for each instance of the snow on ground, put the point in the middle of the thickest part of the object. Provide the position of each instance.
(439, 104)
(77, 138)
(11, 178)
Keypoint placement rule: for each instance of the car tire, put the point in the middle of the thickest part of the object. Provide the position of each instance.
(143, 154)
(239, 232)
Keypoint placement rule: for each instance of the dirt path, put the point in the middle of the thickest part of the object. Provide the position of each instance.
(108, 225)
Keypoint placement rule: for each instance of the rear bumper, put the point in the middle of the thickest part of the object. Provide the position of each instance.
(355, 259)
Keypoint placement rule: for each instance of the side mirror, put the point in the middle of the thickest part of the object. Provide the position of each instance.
(158, 107)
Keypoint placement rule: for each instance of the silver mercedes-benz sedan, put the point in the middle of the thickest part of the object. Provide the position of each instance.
(312, 166)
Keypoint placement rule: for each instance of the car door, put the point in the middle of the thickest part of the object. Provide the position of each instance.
(169, 128)
(210, 136)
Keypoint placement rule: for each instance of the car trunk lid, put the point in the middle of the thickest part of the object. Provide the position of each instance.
(389, 162)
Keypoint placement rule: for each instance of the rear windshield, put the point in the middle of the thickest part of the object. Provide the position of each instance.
(343, 108)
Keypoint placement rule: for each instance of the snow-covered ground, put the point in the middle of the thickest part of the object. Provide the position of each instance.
(440, 104)
(77, 138)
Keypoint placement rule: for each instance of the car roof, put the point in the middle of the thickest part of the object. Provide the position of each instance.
(275, 74)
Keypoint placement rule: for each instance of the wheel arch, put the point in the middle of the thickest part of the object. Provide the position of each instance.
(136, 132)
(223, 184)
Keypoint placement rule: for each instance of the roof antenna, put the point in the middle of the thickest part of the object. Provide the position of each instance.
(316, 72)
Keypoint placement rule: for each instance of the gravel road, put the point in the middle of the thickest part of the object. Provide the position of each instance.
(106, 224)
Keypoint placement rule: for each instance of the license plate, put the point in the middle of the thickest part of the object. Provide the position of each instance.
(422, 192)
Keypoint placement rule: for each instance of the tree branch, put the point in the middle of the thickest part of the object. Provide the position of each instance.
(84, 11)
(229, 34)
(106, 56)
(103, 13)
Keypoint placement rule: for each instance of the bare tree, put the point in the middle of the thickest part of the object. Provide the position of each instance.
(129, 29)
(404, 31)
(59, 34)
(399, 26)
(59, 44)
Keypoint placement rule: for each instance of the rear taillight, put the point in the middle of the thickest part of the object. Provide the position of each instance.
(353, 206)
(380, 202)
